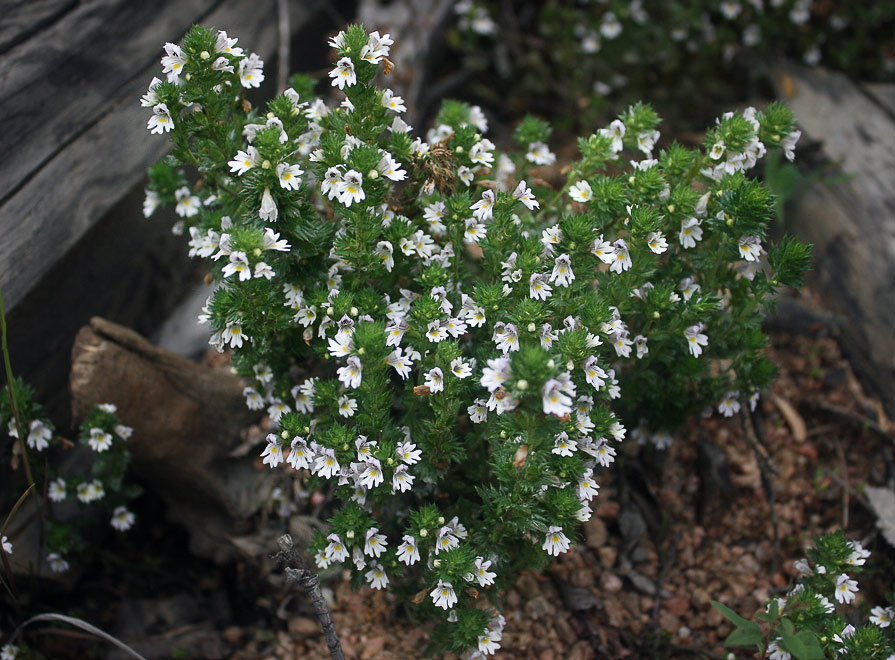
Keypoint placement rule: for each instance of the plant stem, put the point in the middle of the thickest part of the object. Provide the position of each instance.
(309, 581)
(10, 388)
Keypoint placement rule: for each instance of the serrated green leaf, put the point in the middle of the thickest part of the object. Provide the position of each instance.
(744, 637)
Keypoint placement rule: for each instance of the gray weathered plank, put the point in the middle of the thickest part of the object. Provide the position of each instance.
(24, 18)
(55, 86)
(57, 205)
(852, 222)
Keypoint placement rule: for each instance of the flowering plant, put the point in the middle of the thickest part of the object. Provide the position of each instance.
(682, 54)
(450, 345)
(105, 435)
(807, 624)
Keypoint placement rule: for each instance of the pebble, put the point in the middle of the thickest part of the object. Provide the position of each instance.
(538, 607)
(611, 582)
(595, 533)
(582, 651)
(608, 555)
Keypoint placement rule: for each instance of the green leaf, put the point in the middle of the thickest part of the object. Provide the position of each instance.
(733, 617)
(745, 636)
(814, 651)
(794, 645)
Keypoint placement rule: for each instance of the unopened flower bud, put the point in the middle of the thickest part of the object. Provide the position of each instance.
(551, 364)
(390, 461)
(459, 149)
(373, 174)
(656, 315)
(436, 563)
(349, 534)
(522, 384)
(424, 532)
(532, 327)
(284, 434)
(330, 311)
(671, 208)
(353, 311)
(270, 115)
(361, 351)
(188, 76)
(631, 179)
(257, 252)
(204, 55)
(265, 165)
(440, 520)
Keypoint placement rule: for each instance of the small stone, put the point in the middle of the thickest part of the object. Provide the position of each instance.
(608, 555)
(302, 626)
(611, 582)
(678, 606)
(538, 607)
(582, 651)
(595, 532)
(372, 648)
(232, 634)
(547, 654)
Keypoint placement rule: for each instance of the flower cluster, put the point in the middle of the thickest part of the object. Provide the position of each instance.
(105, 437)
(439, 338)
(810, 621)
(680, 52)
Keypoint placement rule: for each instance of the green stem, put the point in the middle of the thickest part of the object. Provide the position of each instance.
(10, 388)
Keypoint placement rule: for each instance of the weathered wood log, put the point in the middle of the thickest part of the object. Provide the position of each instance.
(851, 222)
(187, 420)
(71, 76)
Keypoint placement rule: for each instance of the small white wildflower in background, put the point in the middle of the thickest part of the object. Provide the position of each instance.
(326, 464)
(483, 208)
(268, 210)
(123, 432)
(581, 192)
(434, 380)
(690, 232)
(750, 248)
(244, 161)
(9, 652)
(6, 544)
(122, 519)
(172, 62)
(483, 576)
(343, 75)
(540, 154)
(224, 44)
(188, 205)
(555, 543)
(846, 589)
(376, 576)
(610, 27)
(587, 487)
(39, 435)
(443, 595)
(57, 490)
(859, 554)
(289, 175)
(335, 550)
(57, 563)
(352, 373)
(478, 412)
(695, 339)
(233, 335)
(775, 652)
(730, 404)
(99, 440)
(375, 543)
(524, 195)
(657, 242)
(563, 446)
(882, 616)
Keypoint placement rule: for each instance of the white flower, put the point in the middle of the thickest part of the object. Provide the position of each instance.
(610, 27)
(223, 44)
(446, 540)
(555, 400)
(482, 575)
(593, 374)
(187, 205)
(690, 232)
(859, 555)
(402, 480)
(9, 652)
(273, 453)
(540, 154)
(268, 210)
(160, 121)
(506, 336)
(150, 202)
(254, 401)
(563, 446)
(750, 248)
(172, 62)
(400, 362)
(347, 406)
(57, 490)
(6, 545)
(39, 435)
(478, 411)
(343, 75)
(616, 133)
(376, 576)
(434, 380)
(524, 195)
(91, 491)
(99, 440)
(538, 289)
(695, 339)
(562, 273)
(621, 260)
(239, 263)
(587, 487)
(882, 616)
(251, 71)
(57, 563)
(657, 242)
(289, 175)
(243, 161)
(845, 589)
(372, 475)
(352, 373)
(326, 465)
(776, 653)
(390, 169)
(335, 549)
(622, 344)
(581, 192)
(234, 335)
(688, 287)
(376, 48)
(603, 250)
(124, 432)
(461, 369)
(350, 188)
(443, 595)
(299, 454)
(729, 404)
(375, 543)
(483, 208)
(150, 98)
(122, 519)
(392, 102)
(555, 542)
(408, 552)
